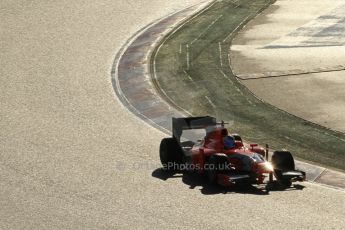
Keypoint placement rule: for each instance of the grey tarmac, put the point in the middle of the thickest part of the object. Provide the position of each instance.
(69, 148)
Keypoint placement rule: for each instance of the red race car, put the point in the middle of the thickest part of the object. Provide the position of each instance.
(223, 157)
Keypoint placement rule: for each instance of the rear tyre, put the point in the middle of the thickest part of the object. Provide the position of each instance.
(170, 154)
(215, 165)
(282, 161)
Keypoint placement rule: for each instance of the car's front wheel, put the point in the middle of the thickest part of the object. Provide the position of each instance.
(282, 161)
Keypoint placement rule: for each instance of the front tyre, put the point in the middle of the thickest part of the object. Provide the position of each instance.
(283, 161)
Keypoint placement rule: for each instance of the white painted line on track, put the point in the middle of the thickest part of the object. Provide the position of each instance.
(244, 20)
(220, 53)
(209, 101)
(190, 78)
(207, 28)
(154, 74)
(289, 73)
(225, 76)
(325, 186)
(187, 56)
(232, 32)
(114, 71)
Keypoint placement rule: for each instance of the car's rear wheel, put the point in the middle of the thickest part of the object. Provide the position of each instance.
(170, 154)
(215, 165)
(282, 161)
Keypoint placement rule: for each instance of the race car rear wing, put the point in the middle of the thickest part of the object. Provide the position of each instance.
(180, 124)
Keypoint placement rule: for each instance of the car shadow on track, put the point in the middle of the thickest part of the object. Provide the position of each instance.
(194, 181)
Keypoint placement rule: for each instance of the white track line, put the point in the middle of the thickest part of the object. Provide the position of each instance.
(209, 101)
(207, 28)
(220, 53)
(187, 56)
(114, 71)
(154, 74)
(231, 33)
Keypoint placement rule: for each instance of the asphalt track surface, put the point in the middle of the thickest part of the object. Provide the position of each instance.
(68, 146)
